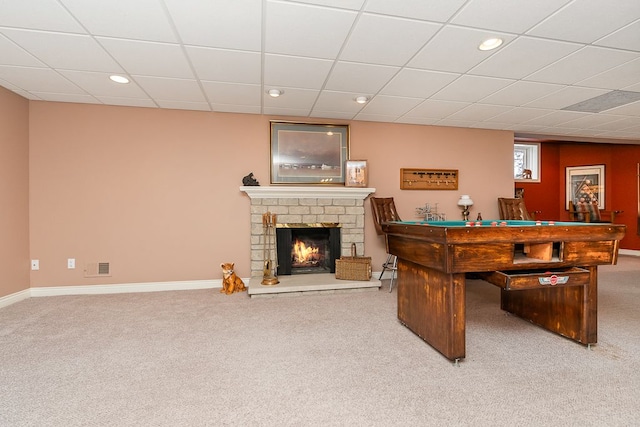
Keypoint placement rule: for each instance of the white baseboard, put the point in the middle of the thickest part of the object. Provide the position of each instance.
(7, 300)
(124, 288)
(121, 288)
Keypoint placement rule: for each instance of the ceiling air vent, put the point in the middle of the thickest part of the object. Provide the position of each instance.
(97, 269)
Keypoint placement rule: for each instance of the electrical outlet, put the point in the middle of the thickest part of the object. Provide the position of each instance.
(71, 263)
(35, 264)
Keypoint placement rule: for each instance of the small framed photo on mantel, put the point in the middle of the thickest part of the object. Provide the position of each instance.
(356, 173)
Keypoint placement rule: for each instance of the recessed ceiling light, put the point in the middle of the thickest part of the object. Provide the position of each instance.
(490, 44)
(362, 99)
(119, 79)
(274, 93)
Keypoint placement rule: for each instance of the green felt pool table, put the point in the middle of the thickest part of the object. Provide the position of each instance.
(547, 272)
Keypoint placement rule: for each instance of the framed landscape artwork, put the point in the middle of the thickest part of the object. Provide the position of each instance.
(304, 153)
(585, 184)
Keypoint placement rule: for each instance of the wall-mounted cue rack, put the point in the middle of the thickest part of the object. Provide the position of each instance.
(428, 179)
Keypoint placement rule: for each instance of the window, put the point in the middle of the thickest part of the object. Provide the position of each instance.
(526, 162)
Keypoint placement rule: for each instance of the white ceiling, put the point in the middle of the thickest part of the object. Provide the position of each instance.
(417, 60)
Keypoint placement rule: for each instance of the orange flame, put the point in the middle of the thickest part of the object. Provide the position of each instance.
(302, 253)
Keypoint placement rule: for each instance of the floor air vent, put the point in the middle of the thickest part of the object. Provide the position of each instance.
(97, 269)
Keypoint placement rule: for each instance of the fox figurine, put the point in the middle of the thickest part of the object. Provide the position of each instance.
(230, 282)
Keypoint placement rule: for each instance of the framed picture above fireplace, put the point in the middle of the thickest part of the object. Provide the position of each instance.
(305, 153)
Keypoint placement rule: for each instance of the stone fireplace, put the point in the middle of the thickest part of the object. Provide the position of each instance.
(299, 207)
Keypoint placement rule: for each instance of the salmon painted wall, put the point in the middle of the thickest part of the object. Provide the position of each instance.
(14, 193)
(156, 192)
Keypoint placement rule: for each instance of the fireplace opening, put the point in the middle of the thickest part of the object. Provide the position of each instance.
(307, 248)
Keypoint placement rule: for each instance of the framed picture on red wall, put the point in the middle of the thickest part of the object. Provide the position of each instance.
(585, 185)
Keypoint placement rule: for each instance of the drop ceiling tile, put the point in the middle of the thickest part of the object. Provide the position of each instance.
(22, 93)
(417, 83)
(362, 78)
(465, 124)
(455, 49)
(331, 115)
(554, 118)
(627, 110)
(224, 65)
(231, 24)
(585, 63)
(632, 88)
(521, 93)
(624, 38)
(566, 96)
(613, 125)
(440, 11)
(12, 54)
(38, 80)
(506, 15)
(343, 4)
(171, 89)
(149, 58)
(479, 112)
(305, 32)
(527, 128)
(375, 117)
(435, 109)
(562, 25)
(417, 120)
(66, 97)
(635, 127)
(65, 51)
(390, 105)
(616, 78)
(232, 93)
(517, 115)
(230, 108)
(295, 71)
(591, 121)
(276, 111)
(184, 105)
(342, 102)
(524, 56)
(99, 84)
(127, 102)
(633, 137)
(139, 19)
(471, 88)
(301, 99)
(386, 40)
(39, 15)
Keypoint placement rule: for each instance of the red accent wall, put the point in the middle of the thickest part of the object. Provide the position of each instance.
(541, 197)
(621, 182)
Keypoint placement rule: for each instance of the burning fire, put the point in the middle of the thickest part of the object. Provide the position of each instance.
(302, 253)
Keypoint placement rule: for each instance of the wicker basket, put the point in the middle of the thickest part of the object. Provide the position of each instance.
(353, 267)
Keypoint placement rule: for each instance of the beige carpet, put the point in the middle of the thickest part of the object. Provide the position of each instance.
(199, 358)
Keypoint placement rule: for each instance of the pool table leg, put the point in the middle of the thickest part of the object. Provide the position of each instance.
(432, 305)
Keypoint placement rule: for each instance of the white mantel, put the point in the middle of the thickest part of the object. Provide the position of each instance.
(305, 192)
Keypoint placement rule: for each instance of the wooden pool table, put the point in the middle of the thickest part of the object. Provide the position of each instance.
(547, 272)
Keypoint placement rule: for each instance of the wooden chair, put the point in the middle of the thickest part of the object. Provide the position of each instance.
(384, 210)
(589, 212)
(514, 209)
